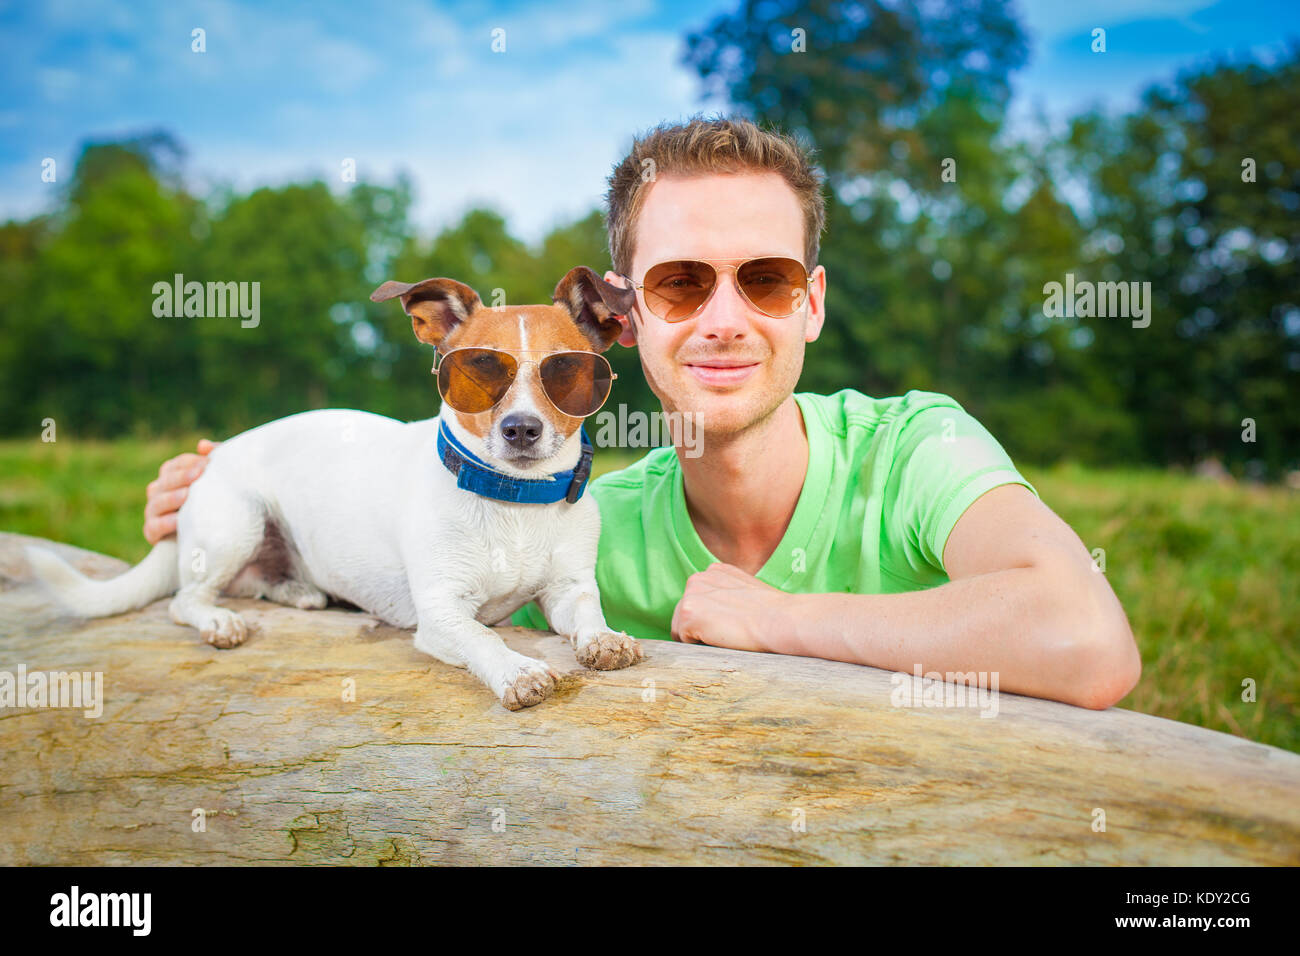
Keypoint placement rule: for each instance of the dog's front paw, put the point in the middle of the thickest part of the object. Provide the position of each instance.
(531, 684)
(224, 629)
(609, 650)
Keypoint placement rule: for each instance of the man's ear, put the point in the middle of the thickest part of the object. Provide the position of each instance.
(594, 303)
(436, 306)
(628, 336)
(816, 305)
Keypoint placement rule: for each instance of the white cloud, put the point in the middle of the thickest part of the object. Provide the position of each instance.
(545, 25)
(1049, 20)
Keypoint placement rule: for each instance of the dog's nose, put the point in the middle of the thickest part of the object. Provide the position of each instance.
(521, 430)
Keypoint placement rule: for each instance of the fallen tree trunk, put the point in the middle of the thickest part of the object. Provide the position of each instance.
(697, 755)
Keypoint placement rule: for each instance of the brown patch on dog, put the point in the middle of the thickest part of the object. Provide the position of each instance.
(549, 329)
(448, 315)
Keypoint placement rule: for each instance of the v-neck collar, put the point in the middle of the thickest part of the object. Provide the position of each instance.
(783, 564)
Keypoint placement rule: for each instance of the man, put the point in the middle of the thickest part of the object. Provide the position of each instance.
(890, 532)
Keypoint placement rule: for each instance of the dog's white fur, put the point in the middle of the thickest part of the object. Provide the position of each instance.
(368, 513)
(376, 519)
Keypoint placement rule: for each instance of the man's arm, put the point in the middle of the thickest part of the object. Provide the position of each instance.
(1024, 599)
(166, 493)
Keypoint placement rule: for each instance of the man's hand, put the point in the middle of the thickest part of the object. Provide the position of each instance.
(726, 607)
(168, 491)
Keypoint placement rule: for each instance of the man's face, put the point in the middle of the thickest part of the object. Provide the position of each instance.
(729, 364)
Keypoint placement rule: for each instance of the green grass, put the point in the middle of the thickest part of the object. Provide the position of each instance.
(1207, 573)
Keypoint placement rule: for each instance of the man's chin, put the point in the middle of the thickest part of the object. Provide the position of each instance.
(723, 412)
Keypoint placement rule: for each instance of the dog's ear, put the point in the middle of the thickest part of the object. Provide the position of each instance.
(593, 303)
(436, 306)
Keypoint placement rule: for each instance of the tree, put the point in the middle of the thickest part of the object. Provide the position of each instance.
(83, 345)
(1197, 193)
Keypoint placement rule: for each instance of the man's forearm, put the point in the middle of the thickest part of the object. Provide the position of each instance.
(1044, 633)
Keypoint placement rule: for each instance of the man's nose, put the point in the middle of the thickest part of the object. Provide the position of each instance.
(727, 315)
(521, 430)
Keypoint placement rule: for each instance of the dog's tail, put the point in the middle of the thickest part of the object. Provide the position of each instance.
(154, 577)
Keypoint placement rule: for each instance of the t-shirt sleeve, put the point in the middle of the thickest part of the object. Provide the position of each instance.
(530, 615)
(944, 460)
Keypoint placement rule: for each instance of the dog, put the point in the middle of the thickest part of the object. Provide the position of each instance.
(445, 525)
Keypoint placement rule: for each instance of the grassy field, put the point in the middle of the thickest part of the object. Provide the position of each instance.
(1208, 573)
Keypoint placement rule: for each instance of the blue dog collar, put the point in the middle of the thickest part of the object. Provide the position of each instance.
(474, 474)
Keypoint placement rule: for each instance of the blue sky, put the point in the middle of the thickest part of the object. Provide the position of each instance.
(287, 91)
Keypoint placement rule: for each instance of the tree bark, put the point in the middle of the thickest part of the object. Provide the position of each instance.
(699, 755)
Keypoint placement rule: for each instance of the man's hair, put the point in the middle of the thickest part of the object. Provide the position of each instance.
(699, 147)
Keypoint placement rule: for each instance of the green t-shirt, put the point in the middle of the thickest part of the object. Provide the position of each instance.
(887, 480)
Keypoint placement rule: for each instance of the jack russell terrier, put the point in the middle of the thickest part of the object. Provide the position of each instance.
(446, 525)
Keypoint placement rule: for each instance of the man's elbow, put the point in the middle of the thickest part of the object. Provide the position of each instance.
(1095, 660)
(1105, 666)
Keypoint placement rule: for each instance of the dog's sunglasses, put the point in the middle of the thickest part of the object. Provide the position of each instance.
(473, 380)
(678, 289)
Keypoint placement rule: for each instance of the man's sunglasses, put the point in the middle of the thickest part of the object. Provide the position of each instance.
(473, 380)
(678, 289)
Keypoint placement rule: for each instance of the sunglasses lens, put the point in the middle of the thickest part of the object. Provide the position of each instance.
(776, 286)
(674, 290)
(577, 382)
(474, 380)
